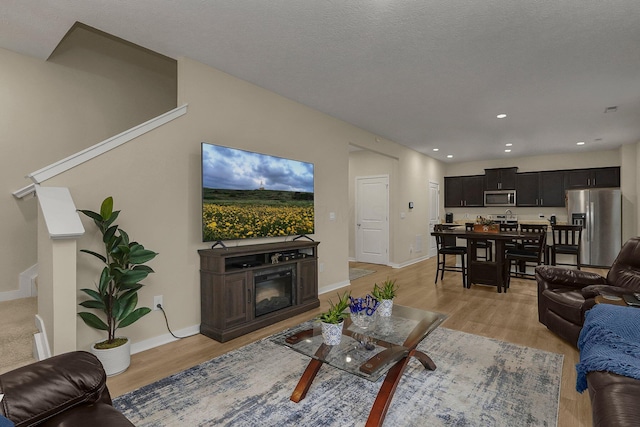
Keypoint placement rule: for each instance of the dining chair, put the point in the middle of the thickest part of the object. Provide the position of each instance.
(446, 245)
(487, 245)
(566, 240)
(509, 227)
(529, 252)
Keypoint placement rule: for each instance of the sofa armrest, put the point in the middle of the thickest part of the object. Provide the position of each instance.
(550, 277)
(593, 291)
(43, 389)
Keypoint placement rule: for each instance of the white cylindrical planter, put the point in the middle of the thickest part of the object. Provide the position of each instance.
(332, 333)
(385, 308)
(114, 360)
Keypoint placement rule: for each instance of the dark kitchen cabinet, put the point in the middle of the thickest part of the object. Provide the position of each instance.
(527, 188)
(500, 179)
(540, 189)
(592, 178)
(464, 191)
(552, 189)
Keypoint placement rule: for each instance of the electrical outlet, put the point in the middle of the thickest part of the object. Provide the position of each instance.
(157, 300)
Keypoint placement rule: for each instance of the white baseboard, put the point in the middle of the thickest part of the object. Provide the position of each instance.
(163, 339)
(410, 262)
(26, 285)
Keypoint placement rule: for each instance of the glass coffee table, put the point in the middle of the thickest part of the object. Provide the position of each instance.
(382, 348)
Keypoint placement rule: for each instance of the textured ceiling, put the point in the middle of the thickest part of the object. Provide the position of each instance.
(426, 74)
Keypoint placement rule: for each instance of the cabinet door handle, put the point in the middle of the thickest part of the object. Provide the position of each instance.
(541, 202)
(249, 297)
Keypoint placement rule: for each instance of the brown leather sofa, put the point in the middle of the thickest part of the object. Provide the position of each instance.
(564, 295)
(614, 399)
(68, 390)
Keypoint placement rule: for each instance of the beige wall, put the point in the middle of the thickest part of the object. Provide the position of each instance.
(155, 180)
(52, 110)
(409, 175)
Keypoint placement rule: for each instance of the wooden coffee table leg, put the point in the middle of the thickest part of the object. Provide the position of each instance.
(305, 381)
(425, 360)
(388, 388)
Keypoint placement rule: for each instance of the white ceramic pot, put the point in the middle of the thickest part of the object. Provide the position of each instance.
(332, 333)
(114, 360)
(385, 308)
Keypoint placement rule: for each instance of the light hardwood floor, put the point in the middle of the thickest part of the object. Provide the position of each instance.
(511, 317)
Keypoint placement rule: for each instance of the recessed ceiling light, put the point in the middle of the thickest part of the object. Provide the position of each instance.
(449, 156)
(501, 116)
(436, 149)
(507, 151)
(580, 143)
(508, 144)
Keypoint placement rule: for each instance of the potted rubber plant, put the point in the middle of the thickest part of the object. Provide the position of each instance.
(385, 293)
(333, 320)
(116, 293)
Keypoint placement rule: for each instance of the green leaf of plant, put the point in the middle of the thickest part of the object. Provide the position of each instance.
(134, 316)
(125, 237)
(107, 208)
(143, 267)
(105, 278)
(133, 276)
(95, 254)
(108, 235)
(91, 214)
(93, 321)
(126, 288)
(114, 216)
(93, 304)
(93, 294)
(126, 305)
(141, 256)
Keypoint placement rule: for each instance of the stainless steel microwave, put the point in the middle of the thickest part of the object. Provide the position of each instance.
(500, 198)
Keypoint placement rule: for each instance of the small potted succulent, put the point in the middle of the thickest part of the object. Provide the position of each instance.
(333, 319)
(385, 294)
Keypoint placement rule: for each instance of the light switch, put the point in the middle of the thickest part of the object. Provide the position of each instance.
(332, 216)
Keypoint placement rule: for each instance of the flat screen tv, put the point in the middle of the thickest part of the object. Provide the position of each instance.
(250, 195)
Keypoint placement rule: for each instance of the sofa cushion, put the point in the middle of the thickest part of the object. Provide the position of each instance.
(567, 303)
(100, 414)
(39, 391)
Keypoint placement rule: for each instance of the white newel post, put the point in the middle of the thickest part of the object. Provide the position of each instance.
(59, 227)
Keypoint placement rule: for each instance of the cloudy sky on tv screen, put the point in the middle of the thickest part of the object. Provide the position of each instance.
(233, 169)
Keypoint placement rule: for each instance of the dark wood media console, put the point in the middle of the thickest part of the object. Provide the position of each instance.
(228, 291)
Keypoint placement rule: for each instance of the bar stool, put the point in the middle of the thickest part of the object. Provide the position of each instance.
(446, 245)
(509, 227)
(487, 245)
(529, 251)
(566, 240)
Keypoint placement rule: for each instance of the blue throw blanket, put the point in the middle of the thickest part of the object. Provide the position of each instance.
(609, 341)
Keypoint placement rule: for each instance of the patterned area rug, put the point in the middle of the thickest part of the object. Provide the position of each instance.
(478, 382)
(356, 273)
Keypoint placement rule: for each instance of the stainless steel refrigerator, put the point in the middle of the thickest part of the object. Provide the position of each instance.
(599, 211)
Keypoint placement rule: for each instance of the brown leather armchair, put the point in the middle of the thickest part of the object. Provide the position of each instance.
(564, 295)
(63, 391)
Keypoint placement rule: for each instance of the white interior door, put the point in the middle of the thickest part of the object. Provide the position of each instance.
(372, 219)
(434, 214)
